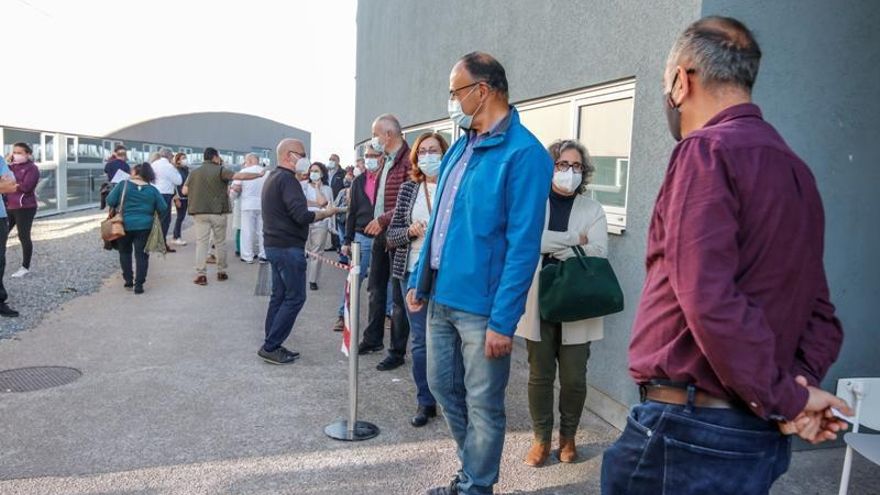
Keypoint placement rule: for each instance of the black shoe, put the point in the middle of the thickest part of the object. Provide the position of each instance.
(128, 285)
(313, 286)
(6, 311)
(422, 415)
(278, 356)
(390, 363)
(364, 348)
(452, 489)
(138, 289)
(292, 353)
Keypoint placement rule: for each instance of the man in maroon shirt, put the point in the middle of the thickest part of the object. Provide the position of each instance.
(734, 330)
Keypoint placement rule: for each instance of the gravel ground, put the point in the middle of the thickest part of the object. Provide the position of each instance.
(68, 261)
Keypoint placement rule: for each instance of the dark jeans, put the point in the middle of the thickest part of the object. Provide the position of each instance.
(181, 214)
(166, 218)
(377, 285)
(137, 240)
(694, 450)
(418, 325)
(288, 293)
(4, 234)
(23, 218)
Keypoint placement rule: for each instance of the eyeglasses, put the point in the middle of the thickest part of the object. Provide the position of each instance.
(423, 151)
(452, 92)
(302, 155)
(564, 166)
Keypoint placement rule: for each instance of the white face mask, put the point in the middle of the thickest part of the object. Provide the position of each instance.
(302, 165)
(457, 115)
(315, 176)
(377, 145)
(567, 181)
(430, 164)
(332, 164)
(372, 164)
(357, 172)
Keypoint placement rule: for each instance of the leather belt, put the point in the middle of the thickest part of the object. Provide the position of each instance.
(677, 396)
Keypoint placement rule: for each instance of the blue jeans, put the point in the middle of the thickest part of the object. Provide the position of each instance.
(418, 323)
(672, 449)
(288, 293)
(471, 389)
(366, 249)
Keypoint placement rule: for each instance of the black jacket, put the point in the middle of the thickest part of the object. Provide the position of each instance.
(360, 209)
(286, 215)
(337, 181)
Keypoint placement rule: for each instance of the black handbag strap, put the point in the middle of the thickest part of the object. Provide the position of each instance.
(581, 255)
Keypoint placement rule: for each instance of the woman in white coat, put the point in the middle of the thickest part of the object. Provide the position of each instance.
(573, 219)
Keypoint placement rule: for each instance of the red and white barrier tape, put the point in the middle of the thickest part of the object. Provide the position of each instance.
(328, 261)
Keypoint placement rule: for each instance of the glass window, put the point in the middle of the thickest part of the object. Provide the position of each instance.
(90, 150)
(605, 128)
(71, 149)
(443, 128)
(12, 136)
(49, 148)
(47, 188)
(549, 122)
(83, 186)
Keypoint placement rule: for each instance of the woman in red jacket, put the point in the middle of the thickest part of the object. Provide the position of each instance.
(21, 204)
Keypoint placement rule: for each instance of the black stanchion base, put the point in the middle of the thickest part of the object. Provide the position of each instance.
(362, 431)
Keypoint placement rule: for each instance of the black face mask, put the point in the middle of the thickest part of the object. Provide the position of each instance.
(673, 112)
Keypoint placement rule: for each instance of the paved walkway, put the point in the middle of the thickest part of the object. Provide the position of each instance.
(173, 399)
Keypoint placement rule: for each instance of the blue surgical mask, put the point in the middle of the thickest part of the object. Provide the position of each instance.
(315, 176)
(377, 145)
(457, 115)
(430, 164)
(372, 164)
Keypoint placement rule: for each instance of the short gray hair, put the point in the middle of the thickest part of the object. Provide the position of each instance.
(721, 50)
(389, 123)
(561, 146)
(251, 155)
(166, 153)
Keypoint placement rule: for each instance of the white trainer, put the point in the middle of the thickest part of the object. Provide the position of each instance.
(179, 242)
(20, 273)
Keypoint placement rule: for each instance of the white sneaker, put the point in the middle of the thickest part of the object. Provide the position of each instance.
(179, 242)
(20, 273)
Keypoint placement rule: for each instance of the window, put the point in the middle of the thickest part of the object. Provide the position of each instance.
(443, 127)
(601, 119)
(90, 150)
(48, 142)
(12, 136)
(72, 148)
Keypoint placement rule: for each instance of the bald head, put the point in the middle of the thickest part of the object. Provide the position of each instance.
(289, 151)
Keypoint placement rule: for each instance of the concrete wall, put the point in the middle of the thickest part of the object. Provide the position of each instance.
(813, 85)
(819, 85)
(221, 130)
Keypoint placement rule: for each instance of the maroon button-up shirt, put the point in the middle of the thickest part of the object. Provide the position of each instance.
(735, 299)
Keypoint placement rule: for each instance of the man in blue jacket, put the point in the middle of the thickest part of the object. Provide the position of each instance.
(481, 251)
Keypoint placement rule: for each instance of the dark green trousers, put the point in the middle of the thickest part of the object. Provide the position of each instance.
(544, 359)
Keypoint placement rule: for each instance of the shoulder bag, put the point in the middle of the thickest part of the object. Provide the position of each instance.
(112, 228)
(578, 288)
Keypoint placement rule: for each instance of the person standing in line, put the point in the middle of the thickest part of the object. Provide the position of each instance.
(208, 191)
(319, 196)
(139, 202)
(341, 203)
(7, 185)
(117, 163)
(286, 221)
(735, 329)
(167, 180)
(251, 193)
(361, 209)
(406, 236)
(573, 219)
(387, 139)
(235, 198)
(21, 203)
(181, 202)
(336, 181)
(480, 253)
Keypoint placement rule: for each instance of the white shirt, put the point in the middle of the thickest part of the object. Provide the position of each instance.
(312, 195)
(420, 213)
(167, 176)
(251, 190)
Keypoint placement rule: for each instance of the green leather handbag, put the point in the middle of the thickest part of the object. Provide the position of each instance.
(578, 288)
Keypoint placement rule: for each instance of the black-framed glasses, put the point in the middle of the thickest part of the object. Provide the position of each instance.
(452, 92)
(564, 166)
(301, 155)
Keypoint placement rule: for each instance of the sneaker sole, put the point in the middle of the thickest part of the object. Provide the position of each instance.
(279, 363)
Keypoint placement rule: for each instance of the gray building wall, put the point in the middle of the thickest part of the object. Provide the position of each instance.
(811, 86)
(221, 130)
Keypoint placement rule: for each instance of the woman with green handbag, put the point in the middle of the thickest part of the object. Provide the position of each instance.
(573, 219)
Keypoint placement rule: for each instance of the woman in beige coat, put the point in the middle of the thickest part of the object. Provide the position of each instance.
(573, 219)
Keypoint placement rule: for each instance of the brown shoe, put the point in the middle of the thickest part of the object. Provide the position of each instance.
(222, 276)
(211, 259)
(340, 325)
(567, 450)
(201, 280)
(538, 454)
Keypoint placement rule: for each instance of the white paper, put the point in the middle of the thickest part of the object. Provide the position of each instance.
(120, 176)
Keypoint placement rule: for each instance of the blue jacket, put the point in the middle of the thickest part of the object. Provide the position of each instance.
(493, 243)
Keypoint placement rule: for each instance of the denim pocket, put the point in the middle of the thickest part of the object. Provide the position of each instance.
(697, 469)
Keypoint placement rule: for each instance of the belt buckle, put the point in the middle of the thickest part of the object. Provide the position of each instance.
(643, 393)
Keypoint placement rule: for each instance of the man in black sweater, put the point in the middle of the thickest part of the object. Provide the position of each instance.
(286, 220)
